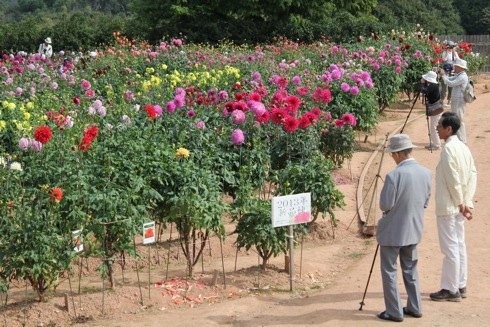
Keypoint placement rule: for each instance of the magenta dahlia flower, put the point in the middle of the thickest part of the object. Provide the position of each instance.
(237, 137)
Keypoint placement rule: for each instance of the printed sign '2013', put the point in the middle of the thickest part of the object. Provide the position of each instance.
(291, 209)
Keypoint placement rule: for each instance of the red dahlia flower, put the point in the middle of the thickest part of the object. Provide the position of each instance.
(85, 144)
(76, 100)
(290, 124)
(293, 101)
(56, 194)
(304, 122)
(91, 133)
(277, 115)
(264, 118)
(150, 111)
(43, 134)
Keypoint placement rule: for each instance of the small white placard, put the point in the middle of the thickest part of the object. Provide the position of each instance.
(77, 239)
(149, 232)
(291, 209)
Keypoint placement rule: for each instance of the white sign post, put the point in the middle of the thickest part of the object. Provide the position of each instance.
(149, 232)
(291, 210)
(149, 238)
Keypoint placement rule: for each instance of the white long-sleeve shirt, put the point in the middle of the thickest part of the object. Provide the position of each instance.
(46, 50)
(449, 56)
(458, 82)
(455, 177)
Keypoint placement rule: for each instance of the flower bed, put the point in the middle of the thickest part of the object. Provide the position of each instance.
(133, 133)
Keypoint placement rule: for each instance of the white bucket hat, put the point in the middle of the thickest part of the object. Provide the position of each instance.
(47, 40)
(399, 142)
(430, 77)
(461, 63)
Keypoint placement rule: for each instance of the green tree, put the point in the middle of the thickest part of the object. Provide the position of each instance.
(437, 16)
(242, 22)
(475, 16)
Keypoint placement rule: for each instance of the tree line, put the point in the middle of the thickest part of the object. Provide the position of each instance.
(82, 24)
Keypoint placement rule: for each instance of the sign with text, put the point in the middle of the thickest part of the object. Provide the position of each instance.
(149, 232)
(291, 209)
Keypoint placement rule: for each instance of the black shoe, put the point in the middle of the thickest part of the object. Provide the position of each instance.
(411, 313)
(383, 315)
(445, 295)
(463, 293)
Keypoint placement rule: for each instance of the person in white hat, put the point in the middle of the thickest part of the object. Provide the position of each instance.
(404, 196)
(45, 49)
(449, 57)
(430, 87)
(458, 82)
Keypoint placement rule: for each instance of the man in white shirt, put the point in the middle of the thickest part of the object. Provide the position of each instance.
(449, 57)
(455, 188)
(458, 82)
(45, 49)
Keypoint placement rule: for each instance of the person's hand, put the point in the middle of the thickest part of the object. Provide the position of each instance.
(465, 211)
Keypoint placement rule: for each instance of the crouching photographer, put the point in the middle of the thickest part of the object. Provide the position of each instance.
(433, 106)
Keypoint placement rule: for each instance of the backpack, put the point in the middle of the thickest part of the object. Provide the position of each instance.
(469, 92)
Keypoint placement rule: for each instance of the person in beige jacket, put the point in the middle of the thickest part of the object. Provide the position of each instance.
(455, 188)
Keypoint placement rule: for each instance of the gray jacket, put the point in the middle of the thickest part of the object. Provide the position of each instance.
(405, 194)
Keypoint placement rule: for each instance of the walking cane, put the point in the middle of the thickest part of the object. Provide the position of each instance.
(369, 278)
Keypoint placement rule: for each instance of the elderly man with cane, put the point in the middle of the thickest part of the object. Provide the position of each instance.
(404, 196)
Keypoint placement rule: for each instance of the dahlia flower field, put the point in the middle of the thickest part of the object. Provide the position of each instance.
(107, 139)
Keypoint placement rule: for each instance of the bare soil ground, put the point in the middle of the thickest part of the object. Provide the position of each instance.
(331, 267)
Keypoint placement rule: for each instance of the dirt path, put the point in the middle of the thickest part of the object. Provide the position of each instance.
(338, 303)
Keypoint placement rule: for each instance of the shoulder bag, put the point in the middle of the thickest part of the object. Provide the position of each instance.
(435, 108)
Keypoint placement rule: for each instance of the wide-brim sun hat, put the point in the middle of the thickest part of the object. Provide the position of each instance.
(47, 40)
(430, 77)
(461, 63)
(399, 142)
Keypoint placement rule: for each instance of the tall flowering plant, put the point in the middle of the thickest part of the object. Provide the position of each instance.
(337, 139)
(31, 217)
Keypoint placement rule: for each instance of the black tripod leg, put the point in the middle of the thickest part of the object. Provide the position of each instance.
(410, 112)
(369, 278)
(428, 129)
